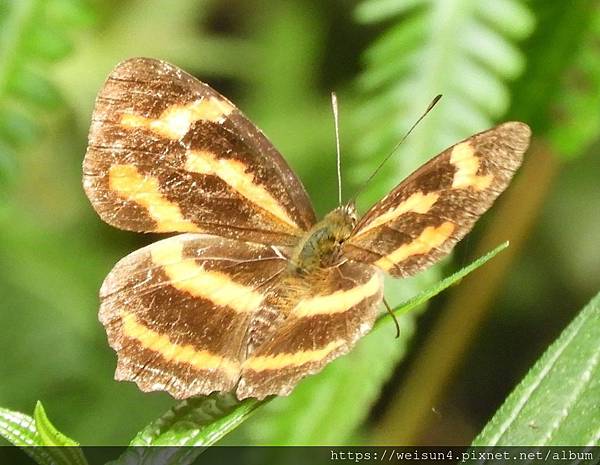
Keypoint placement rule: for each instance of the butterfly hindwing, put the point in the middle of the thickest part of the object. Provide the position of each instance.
(167, 153)
(194, 314)
(419, 221)
(325, 314)
(178, 312)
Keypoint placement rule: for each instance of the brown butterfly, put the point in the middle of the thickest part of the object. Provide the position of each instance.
(256, 294)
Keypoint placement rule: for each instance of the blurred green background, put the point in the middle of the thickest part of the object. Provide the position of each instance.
(537, 61)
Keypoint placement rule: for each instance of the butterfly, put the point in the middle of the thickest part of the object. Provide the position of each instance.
(254, 293)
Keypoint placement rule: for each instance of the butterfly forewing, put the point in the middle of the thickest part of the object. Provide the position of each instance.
(419, 221)
(167, 153)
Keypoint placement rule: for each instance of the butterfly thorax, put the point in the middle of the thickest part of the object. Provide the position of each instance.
(321, 246)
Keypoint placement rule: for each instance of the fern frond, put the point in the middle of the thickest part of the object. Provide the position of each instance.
(464, 50)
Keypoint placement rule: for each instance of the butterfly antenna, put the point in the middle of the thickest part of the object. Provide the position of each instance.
(389, 155)
(334, 106)
(391, 312)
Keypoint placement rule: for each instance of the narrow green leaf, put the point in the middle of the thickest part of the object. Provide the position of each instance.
(557, 403)
(49, 434)
(444, 283)
(64, 450)
(19, 429)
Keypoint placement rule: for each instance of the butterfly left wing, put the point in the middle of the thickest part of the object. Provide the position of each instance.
(325, 313)
(167, 153)
(419, 221)
(179, 312)
(193, 314)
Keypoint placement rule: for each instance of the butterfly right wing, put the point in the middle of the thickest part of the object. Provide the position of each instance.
(420, 221)
(167, 153)
(323, 315)
(179, 312)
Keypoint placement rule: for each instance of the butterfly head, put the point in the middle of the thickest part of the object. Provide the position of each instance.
(342, 221)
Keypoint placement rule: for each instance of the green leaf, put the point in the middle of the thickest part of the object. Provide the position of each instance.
(197, 422)
(557, 401)
(19, 429)
(64, 450)
(33, 433)
(48, 433)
